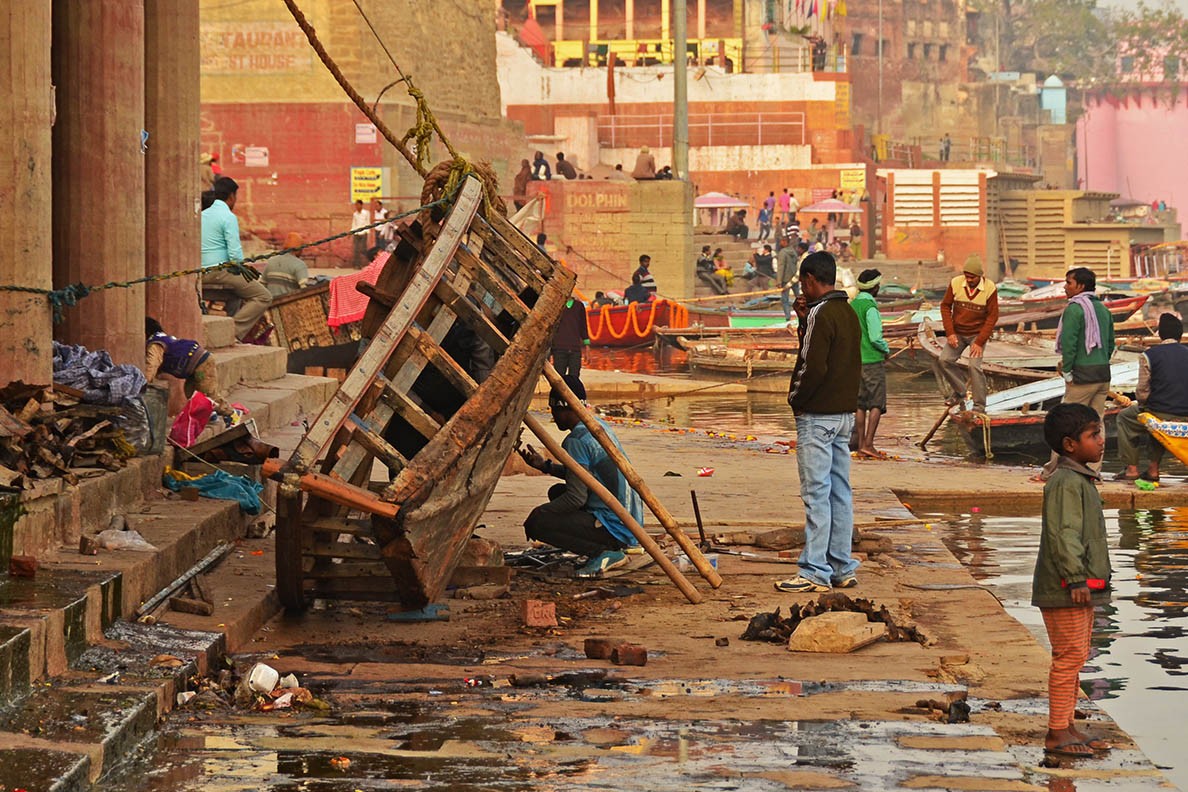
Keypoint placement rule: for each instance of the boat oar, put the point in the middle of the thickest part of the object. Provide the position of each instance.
(643, 537)
(935, 427)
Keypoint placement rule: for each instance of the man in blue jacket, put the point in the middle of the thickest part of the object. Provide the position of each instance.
(576, 519)
(1162, 391)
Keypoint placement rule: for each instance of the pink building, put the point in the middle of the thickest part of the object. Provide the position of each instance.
(1133, 144)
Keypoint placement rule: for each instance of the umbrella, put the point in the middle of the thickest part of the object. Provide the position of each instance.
(717, 200)
(831, 205)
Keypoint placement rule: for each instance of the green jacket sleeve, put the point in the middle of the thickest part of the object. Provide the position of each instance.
(874, 328)
(1065, 525)
(1072, 330)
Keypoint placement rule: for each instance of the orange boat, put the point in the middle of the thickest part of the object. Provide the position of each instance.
(633, 324)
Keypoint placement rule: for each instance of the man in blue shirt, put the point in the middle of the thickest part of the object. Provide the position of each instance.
(220, 243)
(576, 519)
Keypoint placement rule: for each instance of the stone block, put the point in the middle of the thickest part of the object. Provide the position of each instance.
(629, 654)
(537, 613)
(836, 632)
(481, 553)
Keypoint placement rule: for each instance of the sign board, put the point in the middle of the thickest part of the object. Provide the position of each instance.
(277, 47)
(367, 183)
(366, 133)
(255, 156)
(596, 201)
(853, 180)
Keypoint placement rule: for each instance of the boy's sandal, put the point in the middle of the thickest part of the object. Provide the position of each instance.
(1066, 749)
(1147, 477)
(1124, 476)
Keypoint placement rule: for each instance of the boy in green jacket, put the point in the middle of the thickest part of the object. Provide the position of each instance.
(1072, 570)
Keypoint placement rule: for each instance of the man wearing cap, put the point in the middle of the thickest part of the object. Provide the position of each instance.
(969, 312)
(872, 390)
(576, 519)
(1162, 391)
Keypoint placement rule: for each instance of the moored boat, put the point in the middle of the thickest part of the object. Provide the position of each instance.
(633, 324)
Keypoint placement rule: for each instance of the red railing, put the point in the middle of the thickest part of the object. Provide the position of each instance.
(705, 129)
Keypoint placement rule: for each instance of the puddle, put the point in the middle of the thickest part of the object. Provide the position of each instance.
(1138, 668)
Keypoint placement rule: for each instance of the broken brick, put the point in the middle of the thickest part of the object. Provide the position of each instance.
(629, 654)
(22, 566)
(537, 613)
(600, 648)
(88, 545)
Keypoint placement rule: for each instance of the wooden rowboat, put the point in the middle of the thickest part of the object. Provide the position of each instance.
(459, 321)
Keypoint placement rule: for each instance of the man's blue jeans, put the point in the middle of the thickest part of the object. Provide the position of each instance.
(823, 461)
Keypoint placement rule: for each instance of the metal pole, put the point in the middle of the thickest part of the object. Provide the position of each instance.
(879, 120)
(680, 115)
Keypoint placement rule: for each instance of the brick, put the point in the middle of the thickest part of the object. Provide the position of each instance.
(629, 654)
(600, 648)
(22, 566)
(537, 613)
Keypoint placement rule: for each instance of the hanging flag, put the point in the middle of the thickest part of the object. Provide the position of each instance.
(813, 9)
(841, 8)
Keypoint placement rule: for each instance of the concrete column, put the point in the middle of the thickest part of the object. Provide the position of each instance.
(665, 19)
(700, 20)
(172, 184)
(630, 14)
(98, 68)
(26, 208)
(593, 21)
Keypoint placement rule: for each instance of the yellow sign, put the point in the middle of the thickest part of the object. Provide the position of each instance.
(366, 183)
(853, 180)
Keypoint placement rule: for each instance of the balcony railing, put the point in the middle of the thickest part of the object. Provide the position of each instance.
(647, 52)
(705, 129)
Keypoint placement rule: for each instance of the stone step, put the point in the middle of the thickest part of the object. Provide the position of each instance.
(280, 402)
(249, 364)
(218, 332)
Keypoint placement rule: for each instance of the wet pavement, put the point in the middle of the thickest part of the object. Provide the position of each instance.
(1138, 673)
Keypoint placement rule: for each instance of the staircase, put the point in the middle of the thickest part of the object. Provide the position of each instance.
(80, 686)
(737, 252)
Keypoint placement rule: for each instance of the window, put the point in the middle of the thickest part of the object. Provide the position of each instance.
(942, 54)
(911, 52)
(856, 45)
(928, 51)
(1126, 64)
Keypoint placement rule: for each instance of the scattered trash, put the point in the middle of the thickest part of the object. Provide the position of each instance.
(111, 679)
(340, 763)
(124, 539)
(184, 697)
(166, 661)
(288, 682)
(479, 681)
(1146, 486)
(705, 472)
(262, 678)
(954, 705)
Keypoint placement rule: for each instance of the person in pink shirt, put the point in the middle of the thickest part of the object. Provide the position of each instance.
(785, 203)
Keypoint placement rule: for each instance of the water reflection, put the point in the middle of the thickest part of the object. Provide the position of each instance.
(1136, 664)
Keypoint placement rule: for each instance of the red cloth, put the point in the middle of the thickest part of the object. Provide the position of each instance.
(346, 303)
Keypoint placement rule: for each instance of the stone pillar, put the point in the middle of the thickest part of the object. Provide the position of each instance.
(98, 68)
(172, 184)
(26, 209)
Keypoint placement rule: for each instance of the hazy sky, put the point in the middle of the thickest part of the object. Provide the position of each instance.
(1181, 4)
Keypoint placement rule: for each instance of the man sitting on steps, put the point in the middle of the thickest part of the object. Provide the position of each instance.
(1162, 391)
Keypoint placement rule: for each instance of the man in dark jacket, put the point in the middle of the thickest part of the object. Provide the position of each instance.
(1162, 391)
(823, 395)
(571, 338)
(1085, 341)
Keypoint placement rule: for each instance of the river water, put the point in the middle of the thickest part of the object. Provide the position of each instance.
(1139, 670)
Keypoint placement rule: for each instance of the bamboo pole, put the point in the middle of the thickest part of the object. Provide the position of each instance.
(633, 478)
(645, 541)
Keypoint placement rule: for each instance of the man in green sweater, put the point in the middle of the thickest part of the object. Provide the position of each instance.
(872, 391)
(1085, 341)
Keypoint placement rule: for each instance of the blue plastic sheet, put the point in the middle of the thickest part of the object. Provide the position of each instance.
(221, 485)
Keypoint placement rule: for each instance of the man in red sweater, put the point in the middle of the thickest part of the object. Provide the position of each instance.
(969, 311)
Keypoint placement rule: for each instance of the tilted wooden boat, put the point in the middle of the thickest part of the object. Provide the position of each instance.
(1021, 369)
(762, 370)
(425, 400)
(633, 324)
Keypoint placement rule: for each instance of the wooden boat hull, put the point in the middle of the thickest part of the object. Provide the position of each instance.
(1013, 433)
(425, 400)
(740, 318)
(1172, 435)
(998, 376)
(634, 324)
(761, 370)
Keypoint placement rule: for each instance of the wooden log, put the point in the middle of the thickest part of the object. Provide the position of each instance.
(190, 605)
(334, 490)
(688, 547)
(637, 530)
